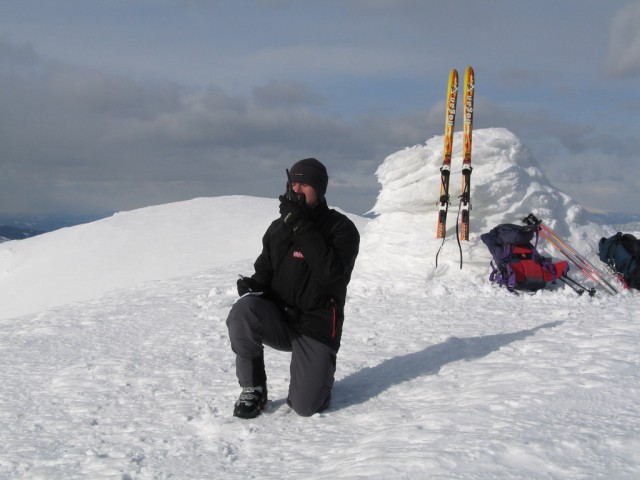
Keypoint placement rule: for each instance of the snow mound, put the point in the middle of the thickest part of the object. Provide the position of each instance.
(506, 185)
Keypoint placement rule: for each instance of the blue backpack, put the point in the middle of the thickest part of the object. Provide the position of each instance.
(622, 253)
(516, 263)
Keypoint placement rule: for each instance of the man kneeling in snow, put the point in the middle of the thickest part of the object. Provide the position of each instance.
(294, 301)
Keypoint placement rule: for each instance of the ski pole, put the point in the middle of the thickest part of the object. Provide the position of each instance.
(578, 256)
(607, 288)
(579, 288)
(584, 266)
(579, 291)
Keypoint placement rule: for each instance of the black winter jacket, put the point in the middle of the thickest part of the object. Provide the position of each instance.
(308, 273)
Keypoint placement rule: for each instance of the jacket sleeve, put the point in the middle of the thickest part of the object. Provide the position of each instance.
(263, 264)
(331, 258)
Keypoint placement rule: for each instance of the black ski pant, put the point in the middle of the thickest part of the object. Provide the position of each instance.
(254, 322)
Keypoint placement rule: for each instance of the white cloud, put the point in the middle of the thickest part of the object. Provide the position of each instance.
(623, 57)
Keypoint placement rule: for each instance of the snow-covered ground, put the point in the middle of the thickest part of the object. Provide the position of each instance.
(116, 362)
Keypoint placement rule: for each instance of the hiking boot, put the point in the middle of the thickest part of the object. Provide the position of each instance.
(251, 401)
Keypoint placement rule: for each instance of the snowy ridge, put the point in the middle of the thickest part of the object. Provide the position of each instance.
(83, 262)
(158, 242)
(116, 362)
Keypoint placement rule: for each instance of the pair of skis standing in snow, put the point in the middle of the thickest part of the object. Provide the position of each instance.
(462, 227)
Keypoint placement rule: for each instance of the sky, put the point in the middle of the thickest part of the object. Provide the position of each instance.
(112, 106)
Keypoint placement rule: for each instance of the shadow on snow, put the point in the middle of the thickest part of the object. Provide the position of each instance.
(370, 382)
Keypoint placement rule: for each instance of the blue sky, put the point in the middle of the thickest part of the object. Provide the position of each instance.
(113, 105)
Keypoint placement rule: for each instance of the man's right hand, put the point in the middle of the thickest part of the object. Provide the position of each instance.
(247, 285)
(294, 214)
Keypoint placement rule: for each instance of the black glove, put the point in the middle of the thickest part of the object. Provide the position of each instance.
(294, 214)
(248, 284)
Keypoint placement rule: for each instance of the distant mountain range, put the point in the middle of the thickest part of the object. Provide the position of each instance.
(8, 232)
(18, 227)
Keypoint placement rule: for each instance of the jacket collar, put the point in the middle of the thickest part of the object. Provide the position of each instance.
(319, 211)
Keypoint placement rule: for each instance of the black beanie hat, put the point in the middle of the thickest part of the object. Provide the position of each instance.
(311, 172)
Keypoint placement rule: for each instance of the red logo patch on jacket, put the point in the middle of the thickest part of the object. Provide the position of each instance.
(297, 254)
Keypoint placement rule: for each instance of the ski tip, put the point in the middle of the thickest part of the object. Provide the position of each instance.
(469, 76)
